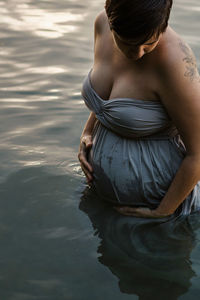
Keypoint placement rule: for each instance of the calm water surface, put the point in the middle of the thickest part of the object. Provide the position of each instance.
(58, 242)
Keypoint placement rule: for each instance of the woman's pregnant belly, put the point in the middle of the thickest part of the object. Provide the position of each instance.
(133, 171)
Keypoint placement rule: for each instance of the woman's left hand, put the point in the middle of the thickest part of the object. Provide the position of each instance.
(140, 212)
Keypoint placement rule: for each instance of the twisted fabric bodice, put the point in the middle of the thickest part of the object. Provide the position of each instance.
(128, 117)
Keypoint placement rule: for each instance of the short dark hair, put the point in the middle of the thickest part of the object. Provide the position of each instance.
(138, 19)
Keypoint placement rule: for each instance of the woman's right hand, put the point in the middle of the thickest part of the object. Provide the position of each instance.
(85, 146)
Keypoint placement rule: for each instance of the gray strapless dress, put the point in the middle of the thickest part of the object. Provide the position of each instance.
(136, 151)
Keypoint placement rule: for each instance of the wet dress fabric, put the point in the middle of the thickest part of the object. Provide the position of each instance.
(136, 151)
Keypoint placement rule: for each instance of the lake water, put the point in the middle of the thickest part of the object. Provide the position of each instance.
(58, 242)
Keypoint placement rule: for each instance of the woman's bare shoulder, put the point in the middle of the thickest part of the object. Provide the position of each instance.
(179, 88)
(101, 22)
(103, 49)
(175, 55)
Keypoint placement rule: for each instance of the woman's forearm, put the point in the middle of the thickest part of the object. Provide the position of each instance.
(183, 183)
(88, 128)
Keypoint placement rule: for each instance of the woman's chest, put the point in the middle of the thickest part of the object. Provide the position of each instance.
(115, 76)
(112, 81)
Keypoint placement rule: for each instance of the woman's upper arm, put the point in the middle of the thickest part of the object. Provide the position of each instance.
(98, 27)
(180, 94)
(98, 23)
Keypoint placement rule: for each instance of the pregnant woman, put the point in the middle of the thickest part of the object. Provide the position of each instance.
(140, 148)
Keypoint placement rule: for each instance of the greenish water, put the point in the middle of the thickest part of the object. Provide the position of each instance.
(58, 243)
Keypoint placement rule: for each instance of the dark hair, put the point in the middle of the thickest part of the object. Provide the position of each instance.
(138, 19)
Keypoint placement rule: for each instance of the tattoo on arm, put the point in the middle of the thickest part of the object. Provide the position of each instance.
(189, 59)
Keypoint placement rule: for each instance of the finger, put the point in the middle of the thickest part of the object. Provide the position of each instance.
(84, 162)
(86, 168)
(83, 153)
(87, 165)
(132, 211)
(137, 210)
(87, 174)
(128, 214)
(139, 213)
(125, 211)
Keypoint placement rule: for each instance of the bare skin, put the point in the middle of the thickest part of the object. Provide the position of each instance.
(85, 145)
(162, 69)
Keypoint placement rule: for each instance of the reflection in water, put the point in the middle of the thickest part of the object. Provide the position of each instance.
(151, 258)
